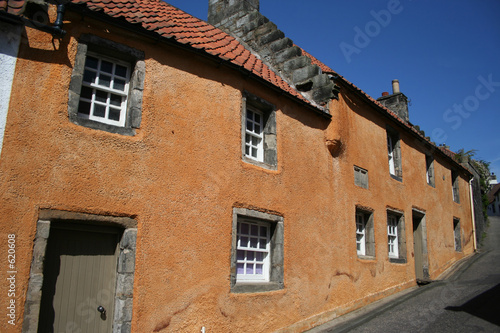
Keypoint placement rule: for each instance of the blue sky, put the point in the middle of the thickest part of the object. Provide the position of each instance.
(445, 54)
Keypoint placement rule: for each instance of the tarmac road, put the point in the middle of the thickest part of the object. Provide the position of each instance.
(467, 301)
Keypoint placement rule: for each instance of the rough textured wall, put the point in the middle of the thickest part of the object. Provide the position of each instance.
(182, 174)
(10, 36)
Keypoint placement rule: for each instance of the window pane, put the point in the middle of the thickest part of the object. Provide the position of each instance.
(104, 80)
(248, 139)
(115, 100)
(253, 242)
(257, 129)
(249, 126)
(240, 269)
(107, 67)
(259, 256)
(262, 244)
(121, 71)
(250, 255)
(114, 114)
(249, 269)
(99, 110)
(244, 228)
(84, 107)
(89, 76)
(91, 62)
(258, 269)
(254, 230)
(86, 92)
(254, 152)
(263, 231)
(257, 118)
(119, 84)
(101, 96)
(240, 255)
(244, 241)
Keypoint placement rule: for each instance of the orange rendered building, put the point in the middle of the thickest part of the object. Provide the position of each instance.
(159, 174)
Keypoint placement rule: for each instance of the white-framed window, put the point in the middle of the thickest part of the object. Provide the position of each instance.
(392, 235)
(394, 154)
(103, 97)
(365, 235)
(390, 149)
(258, 129)
(360, 234)
(254, 134)
(257, 253)
(107, 84)
(429, 169)
(454, 185)
(252, 251)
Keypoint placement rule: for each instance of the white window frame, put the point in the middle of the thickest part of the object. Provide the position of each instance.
(392, 236)
(360, 234)
(390, 150)
(455, 189)
(254, 134)
(429, 170)
(95, 86)
(247, 253)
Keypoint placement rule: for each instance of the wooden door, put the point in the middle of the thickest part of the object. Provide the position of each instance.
(418, 249)
(79, 277)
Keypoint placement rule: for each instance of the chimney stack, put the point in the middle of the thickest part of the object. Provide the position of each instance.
(395, 87)
(397, 102)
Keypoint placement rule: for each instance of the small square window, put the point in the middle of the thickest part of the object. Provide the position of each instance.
(257, 254)
(360, 177)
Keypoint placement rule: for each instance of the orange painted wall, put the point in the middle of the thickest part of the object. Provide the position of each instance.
(182, 174)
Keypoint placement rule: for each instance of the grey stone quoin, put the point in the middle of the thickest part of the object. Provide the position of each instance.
(242, 19)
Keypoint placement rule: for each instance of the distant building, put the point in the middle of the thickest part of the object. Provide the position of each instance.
(494, 201)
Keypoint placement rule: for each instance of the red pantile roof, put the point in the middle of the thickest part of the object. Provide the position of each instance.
(14, 7)
(172, 23)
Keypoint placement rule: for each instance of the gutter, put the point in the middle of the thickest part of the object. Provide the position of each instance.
(55, 30)
(471, 196)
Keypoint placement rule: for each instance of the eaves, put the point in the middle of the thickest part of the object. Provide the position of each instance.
(123, 24)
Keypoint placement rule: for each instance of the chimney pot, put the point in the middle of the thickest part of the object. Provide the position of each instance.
(395, 86)
(385, 93)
